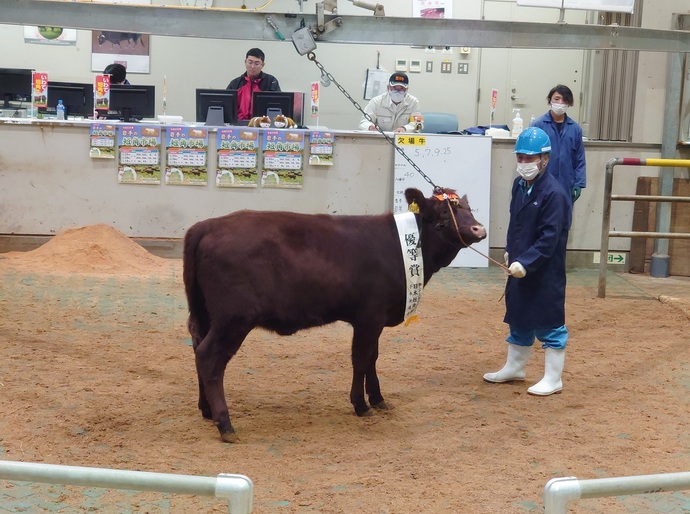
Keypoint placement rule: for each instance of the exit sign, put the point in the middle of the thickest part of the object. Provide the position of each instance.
(612, 258)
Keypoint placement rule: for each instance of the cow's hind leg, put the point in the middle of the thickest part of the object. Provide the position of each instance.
(212, 357)
(365, 342)
(198, 333)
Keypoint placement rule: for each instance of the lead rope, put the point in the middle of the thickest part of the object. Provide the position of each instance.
(437, 190)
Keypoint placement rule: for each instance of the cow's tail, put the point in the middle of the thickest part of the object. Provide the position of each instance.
(198, 322)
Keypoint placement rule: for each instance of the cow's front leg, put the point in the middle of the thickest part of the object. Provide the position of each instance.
(364, 352)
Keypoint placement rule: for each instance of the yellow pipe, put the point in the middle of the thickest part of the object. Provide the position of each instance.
(668, 163)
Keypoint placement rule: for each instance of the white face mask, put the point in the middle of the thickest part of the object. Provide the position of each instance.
(528, 170)
(397, 96)
(559, 109)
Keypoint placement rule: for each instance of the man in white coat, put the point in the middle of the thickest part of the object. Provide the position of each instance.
(392, 110)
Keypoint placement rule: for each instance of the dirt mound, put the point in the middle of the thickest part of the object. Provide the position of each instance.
(90, 249)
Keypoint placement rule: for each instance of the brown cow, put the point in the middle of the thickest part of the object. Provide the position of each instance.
(285, 271)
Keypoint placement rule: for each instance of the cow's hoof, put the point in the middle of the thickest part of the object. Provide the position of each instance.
(229, 437)
(382, 405)
(364, 413)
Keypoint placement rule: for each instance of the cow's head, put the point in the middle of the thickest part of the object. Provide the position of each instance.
(448, 215)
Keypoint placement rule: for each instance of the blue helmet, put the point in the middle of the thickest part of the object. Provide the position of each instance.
(533, 141)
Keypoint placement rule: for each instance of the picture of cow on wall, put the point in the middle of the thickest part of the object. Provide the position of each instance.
(128, 48)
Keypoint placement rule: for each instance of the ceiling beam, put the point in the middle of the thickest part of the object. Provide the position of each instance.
(221, 23)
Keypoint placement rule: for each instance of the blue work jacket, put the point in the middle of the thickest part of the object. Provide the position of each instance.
(567, 159)
(537, 238)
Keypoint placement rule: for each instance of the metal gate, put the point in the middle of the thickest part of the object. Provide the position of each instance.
(608, 198)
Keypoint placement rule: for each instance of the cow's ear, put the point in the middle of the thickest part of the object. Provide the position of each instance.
(415, 197)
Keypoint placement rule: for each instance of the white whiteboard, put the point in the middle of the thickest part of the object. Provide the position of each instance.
(462, 163)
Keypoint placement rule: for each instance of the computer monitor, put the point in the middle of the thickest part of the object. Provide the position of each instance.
(216, 107)
(270, 103)
(76, 97)
(132, 103)
(15, 86)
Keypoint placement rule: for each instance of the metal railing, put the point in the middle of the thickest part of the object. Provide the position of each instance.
(238, 490)
(608, 198)
(559, 492)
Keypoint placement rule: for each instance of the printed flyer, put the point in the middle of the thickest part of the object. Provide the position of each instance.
(282, 158)
(321, 148)
(139, 151)
(237, 157)
(39, 91)
(101, 93)
(102, 141)
(187, 151)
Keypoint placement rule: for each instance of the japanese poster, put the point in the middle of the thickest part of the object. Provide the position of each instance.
(237, 157)
(139, 151)
(130, 49)
(432, 8)
(102, 141)
(282, 158)
(101, 92)
(187, 151)
(321, 148)
(314, 100)
(50, 35)
(39, 91)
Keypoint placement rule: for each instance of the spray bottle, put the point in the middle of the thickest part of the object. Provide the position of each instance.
(517, 123)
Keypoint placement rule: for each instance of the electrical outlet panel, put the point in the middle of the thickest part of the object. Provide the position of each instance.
(463, 68)
(429, 66)
(446, 67)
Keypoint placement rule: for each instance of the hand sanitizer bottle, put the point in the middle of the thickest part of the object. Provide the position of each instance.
(517, 123)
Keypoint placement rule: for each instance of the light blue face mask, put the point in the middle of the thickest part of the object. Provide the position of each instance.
(397, 96)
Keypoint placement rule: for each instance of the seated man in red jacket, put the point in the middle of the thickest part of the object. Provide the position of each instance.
(252, 80)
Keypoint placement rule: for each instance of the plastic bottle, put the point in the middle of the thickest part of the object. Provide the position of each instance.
(60, 110)
(517, 123)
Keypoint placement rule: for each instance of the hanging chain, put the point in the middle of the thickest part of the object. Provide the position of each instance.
(437, 190)
(312, 57)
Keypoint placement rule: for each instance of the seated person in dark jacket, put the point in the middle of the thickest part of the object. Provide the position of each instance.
(117, 72)
(252, 80)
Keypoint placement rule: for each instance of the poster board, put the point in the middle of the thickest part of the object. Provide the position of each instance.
(462, 163)
(376, 83)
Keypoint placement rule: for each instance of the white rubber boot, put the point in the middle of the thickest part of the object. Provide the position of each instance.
(514, 368)
(554, 361)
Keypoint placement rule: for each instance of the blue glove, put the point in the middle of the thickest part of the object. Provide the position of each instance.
(577, 190)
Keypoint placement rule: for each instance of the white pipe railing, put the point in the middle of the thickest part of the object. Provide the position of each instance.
(559, 492)
(238, 490)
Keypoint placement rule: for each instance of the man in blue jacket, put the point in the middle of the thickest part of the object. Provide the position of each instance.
(567, 162)
(540, 217)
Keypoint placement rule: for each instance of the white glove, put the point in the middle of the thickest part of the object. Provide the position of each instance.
(505, 258)
(517, 270)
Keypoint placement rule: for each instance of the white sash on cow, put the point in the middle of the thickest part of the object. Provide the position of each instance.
(412, 260)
